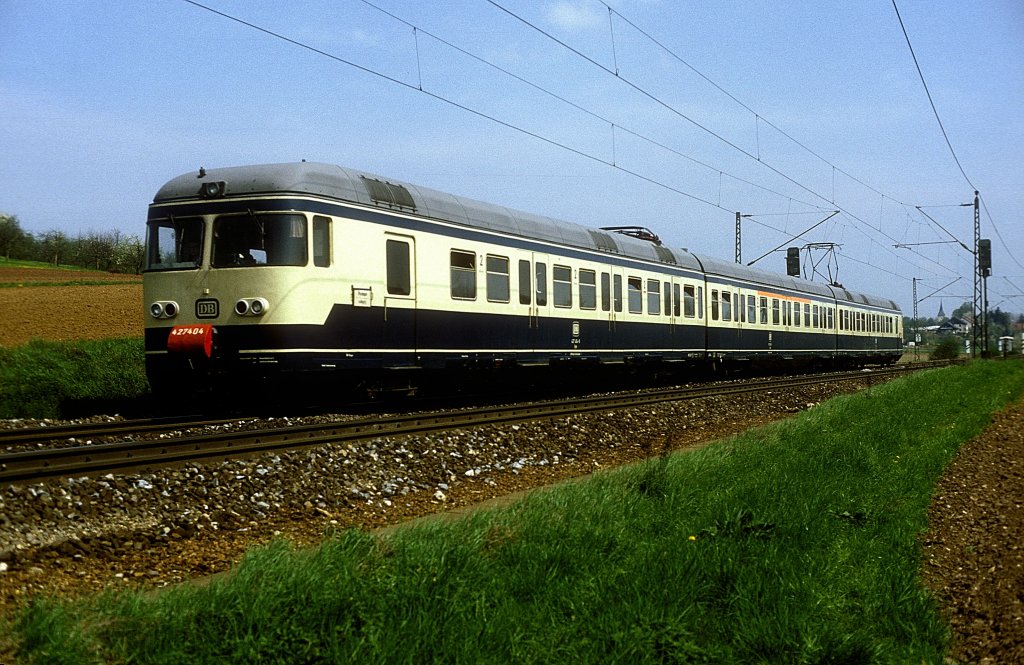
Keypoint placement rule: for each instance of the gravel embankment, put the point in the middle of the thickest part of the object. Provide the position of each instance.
(158, 528)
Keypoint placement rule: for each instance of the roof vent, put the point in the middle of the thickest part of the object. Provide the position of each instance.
(665, 255)
(388, 194)
(603, 241)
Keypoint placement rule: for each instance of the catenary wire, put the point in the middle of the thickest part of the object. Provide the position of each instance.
(535, 135)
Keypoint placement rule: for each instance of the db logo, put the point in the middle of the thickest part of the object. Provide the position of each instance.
(207, 309)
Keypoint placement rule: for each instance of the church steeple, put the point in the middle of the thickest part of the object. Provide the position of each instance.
(941, 314)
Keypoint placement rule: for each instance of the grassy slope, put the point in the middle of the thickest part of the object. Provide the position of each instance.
(795, 543)
(39, 379)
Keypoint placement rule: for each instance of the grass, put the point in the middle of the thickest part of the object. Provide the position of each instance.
(80, 282)
(794, 543)
(41, 379)
(90, 277)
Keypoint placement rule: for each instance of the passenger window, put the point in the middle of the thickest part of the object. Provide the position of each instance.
(606, 292)
(617, 292)
(726, 306)
(562, 281)
(714, 304)
(588, 289)
(668, 299)
(807, 314)
(653, 296)
(321, 241)
(764, 310)
(775, 311)
(796, 314)
(497, 279)
(398, 267)
(634, 288)
(689, 309)
(541, 271)
(525, 285)
(787, 311)
(700, 302)
(751, 309)
(817, 319)
(831, 318)
(675, 299)
(463, 275)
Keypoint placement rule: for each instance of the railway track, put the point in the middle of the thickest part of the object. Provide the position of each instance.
(83, 460)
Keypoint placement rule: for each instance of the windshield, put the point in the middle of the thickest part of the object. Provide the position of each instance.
(174, 243)
(259, 239)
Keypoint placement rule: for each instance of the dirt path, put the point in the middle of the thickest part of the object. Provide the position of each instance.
(973, 552)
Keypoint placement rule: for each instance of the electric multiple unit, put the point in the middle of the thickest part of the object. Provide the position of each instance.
(313, 271)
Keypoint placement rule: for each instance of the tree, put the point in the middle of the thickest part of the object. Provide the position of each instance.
(999, 322)
(55, 247)
(12, 237)
(128, 255)
(964, 311)
(96, 250)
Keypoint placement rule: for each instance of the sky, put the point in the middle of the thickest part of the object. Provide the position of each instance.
(659, 113)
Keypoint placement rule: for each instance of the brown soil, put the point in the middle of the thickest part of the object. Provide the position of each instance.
(83, 310)
(972, 558)
(973, 554)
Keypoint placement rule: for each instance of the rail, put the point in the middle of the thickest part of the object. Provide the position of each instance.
(83, 460)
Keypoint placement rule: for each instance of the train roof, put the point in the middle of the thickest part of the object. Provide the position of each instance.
(714, 266)
(337, 182)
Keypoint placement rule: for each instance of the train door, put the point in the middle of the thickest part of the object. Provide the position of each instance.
(540, 322)
(534, 283)
(399, 321)
(673, 310)
(615, 314)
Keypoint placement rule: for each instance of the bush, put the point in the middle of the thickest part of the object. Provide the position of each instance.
(948, 348)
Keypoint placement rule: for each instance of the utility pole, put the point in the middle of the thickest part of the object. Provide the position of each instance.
(985, 267)
(979, 312)
(917, 337)
(739, 238)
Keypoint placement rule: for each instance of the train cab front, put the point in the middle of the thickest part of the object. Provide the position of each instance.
(224, 285)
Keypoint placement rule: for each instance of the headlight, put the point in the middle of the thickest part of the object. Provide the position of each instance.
(163, 309)
(251, 306)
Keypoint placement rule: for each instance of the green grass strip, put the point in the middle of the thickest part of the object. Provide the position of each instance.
(794, 543)
(89, 282)
(39, 379)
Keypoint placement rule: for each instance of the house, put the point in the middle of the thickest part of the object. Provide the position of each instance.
(954, 326)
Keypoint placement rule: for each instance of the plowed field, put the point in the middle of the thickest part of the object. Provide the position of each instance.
(49, 304)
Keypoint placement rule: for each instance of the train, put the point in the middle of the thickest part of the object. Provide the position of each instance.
(282, 275)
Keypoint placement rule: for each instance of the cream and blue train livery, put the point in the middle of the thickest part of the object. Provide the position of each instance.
(310, 270)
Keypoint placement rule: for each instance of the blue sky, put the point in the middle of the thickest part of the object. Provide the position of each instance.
(102, 102)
